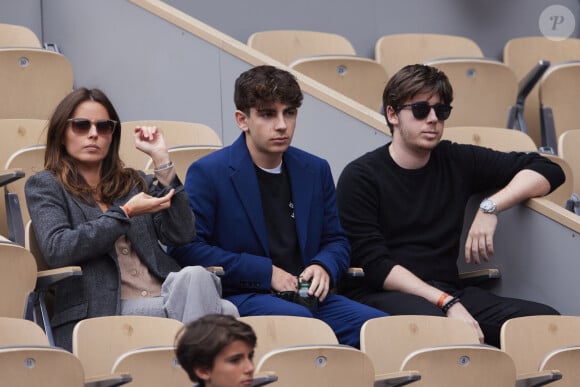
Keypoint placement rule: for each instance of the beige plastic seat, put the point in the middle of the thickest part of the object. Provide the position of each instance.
(326, 366)
(360, 79)
(501, 139)
(288, 45)
(18, 279)
(484, 90)
(98, 342)
(175, 133)
(398, 50)
(568, 149)
(462, 365)
(18, 331)
(565, 360)
(529, 339)
(33, 81)
(39, 366)
(559, 93)
(279, 331)
(388, 340)
(30, 160)
(152, 367)
(519, 56)
(14, 35)
(184, 155)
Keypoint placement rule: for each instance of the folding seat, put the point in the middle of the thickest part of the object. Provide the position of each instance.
(327, 366)
(39, 366)
(389, 340)
(34, 81)
(568, 146)
(98, 342)
(14, 35)
(398, 50)
(279, 331)
(288, 45)
(360, 79)
(462, 365)
(484, 91)
(559, 93)
(530, 341)
(175, 133)
(519, 56)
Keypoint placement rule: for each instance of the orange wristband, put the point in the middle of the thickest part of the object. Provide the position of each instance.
(126, 209)
(441, 300)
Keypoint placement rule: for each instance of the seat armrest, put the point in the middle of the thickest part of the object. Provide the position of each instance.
(217, 270)
(10, 175)
(46, 278)
(355, 272)
(475, 277)
(396, 379)
(108, 380)
(263, 378)
(536, 379)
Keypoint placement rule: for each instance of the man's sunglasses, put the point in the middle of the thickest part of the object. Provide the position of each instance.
(83, 126)
(421, 110)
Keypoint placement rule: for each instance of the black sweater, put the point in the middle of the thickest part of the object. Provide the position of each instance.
(414, 217)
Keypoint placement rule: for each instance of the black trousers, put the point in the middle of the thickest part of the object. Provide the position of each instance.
(490, 310)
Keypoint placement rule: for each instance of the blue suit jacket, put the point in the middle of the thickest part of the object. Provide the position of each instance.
(224, 193)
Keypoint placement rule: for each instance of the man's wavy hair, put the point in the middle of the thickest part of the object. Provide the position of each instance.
(263, 86)
(116, 180)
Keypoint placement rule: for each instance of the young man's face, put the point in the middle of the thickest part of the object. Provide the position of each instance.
(232, 367)
(416, 135)
(269, 132)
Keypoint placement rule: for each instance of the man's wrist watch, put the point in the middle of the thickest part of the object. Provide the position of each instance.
(488, 206)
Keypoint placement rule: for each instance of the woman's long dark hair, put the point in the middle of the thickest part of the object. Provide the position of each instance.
(116, 180)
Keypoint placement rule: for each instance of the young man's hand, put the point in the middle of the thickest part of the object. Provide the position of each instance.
(320, 281)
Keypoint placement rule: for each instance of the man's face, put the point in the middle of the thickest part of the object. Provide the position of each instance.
(413, 134)
(269, 132)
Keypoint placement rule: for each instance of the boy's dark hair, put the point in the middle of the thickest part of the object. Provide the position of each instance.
(264, 85)
(412, 80)
(199, 342)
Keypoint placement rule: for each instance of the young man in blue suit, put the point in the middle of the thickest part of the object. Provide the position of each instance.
(266, 212)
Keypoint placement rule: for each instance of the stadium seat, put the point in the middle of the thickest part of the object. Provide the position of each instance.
(98, 342)
(34, 81)
(559, 93)
(395, 51)
(288, 45)
(484, 90)
(360, 79)
(519, 56)
(568, 149)
(279, 331)
(14, 35)
(175, 133)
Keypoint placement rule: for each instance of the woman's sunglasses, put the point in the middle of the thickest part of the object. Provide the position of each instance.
(83, 126)
(421, 110)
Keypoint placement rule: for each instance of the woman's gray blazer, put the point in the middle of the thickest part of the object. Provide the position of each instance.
(71, 232)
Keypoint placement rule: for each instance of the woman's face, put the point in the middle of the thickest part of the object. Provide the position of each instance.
(88, 146)
(232, 367)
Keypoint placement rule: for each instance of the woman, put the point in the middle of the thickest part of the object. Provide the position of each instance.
(217, 351)
(87, 209)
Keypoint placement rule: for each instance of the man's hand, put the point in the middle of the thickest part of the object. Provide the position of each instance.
(283, 281)
(458, 311)
(320, 281)
(479, 242)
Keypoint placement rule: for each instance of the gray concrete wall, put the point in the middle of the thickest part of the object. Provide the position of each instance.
(490, 23)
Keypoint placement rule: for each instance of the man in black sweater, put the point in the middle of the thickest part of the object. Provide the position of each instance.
(402, 207)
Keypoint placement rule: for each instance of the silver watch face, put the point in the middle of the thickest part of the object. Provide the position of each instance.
(488, 206)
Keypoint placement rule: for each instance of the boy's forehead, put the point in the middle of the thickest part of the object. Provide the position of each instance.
(276, 105)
